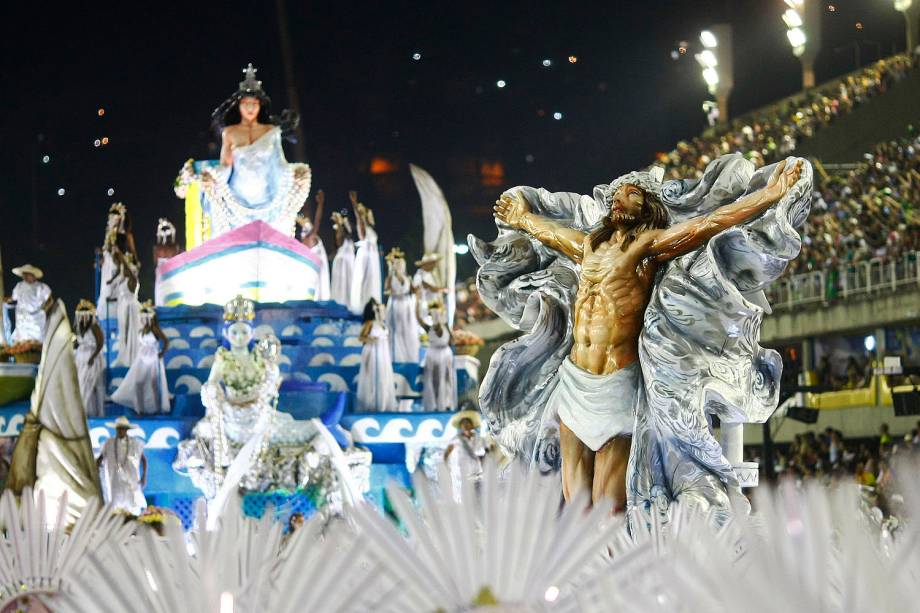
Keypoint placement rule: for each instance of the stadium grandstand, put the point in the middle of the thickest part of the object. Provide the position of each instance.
(846, 315)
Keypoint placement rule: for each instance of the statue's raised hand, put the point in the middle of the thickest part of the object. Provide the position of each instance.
(783, 178)
(320, 198)
(511, 208)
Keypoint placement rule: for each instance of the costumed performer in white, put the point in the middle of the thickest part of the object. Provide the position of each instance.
(404, 330)
(88, 344)
(425, 284)
(439, 379)
(144, 387)
(309, 236)
(124, 468)
(343, 263)
(376, 387)
(30, 296)
(466, 451)
(366, 280)
(119, 239)
(126, 286)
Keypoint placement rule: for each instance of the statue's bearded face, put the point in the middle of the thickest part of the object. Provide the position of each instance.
(249, 108)
(626, 205)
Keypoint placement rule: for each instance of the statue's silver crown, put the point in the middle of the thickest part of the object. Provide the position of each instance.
(240, 309)
(249, 82)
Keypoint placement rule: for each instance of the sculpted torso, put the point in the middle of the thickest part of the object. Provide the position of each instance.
(613, 292)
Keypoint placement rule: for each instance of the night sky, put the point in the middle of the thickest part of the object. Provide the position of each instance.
(158, 70)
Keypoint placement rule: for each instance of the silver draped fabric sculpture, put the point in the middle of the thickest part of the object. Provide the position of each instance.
(699, 350)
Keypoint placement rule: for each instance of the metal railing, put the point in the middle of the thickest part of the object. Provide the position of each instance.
(873, 276)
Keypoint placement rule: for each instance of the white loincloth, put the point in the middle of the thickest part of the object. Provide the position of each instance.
(596, 408)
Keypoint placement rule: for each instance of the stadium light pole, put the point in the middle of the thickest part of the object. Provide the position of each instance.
(803, 30)
(909, 9)
(716, 62)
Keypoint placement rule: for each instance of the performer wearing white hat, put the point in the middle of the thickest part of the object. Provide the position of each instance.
(466, 451)
(124, 468)
(30, 295)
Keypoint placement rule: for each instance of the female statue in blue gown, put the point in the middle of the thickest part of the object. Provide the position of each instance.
(253, 181)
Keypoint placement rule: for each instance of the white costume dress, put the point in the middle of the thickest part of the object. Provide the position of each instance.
(439, 383)
(107, 291)
(30, 317)
(144, 388)
(419, 280)
(128, 311)
(90, 376)
(324, 291)
(404, 329)
(465, 461)
(343, 265)
(365, 283)
(376, 388)
(121, 487)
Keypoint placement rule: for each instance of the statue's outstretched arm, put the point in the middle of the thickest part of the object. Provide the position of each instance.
(514, 210)
(684, 237)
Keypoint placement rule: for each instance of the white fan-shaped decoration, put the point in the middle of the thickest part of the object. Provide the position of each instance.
(180, 361)
(322, 359)
(505, 543)
(170, 332)
(350, 359)
(208, 343)
(336, 383)
(322, 341)
(327, 329)
(228, 569)
(207, 361)
(187, 384)
(201, 331)
(179, 343)
(283, 359)
(262, 331)
(301, 376)
(352, 341)
(353, 330)
(41, 555)
(292, 330)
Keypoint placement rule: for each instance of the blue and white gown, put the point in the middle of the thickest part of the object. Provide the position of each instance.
(260, 185)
